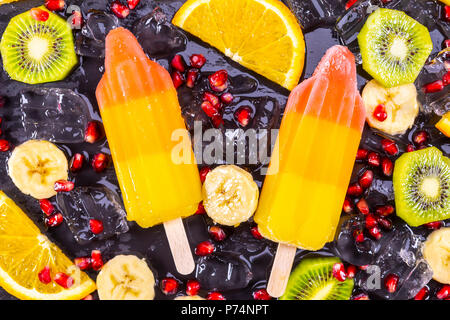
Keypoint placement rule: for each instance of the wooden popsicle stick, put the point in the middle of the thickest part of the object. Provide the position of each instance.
(281, 269)
(179, 246)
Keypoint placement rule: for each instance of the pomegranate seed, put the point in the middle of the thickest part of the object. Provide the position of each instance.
(217, 233)
(366, 179)
(217, 120)
(212, 98)
(354, 190)
(200, 209)
(371, 221)
(444, 292)
(351, 271)
(204, 248)
(446, 78)
(380, 113)
(385, 223)
(215, 296)
(410, 148)
(422, 294)
(64, 280)
(362, 154)
(4, 145)
(45, 276)
(389, 146)
(363, 207)
(203, 173)
(88, 297)
(433, 225)
(55, 5)
(261, 294)
(391, 282)
(373, 159)
(76, 162)
(209, 109)
(192, 287)
(227, 98)
(255, 233)
(191, 77)
(94, 132)
(96, 226)
(178, 63)
(77, 20)
(46, 207)
(358, 235)
(433, 87)
(132, 3)
(218, 81)
(83, 263)
(339, 272)
(420, 138)
(121, 11)
(363, 267)
(54, 220)
(100, 162)
(39, 14)
(347, 207)
(2, 101)
(243, 115)
(361, 296)
(375, 233)
(96, 260)
(349, 4)
(447, 13)
(197, 60)
(385, 210)
(169, 286)
(177, 79)
(447, 43)
(387, 166)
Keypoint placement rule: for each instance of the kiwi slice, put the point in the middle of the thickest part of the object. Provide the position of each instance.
(422, 186)
(394, 47)
(313, 279)
(37, 52)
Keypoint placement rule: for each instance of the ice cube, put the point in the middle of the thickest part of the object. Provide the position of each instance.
(157, 36)
(314, 12)
(224, 270)
(95, 202)
(99, 24)
(90, 6)
(54, 114)
(88, 47)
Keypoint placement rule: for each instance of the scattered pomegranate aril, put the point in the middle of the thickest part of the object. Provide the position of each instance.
(200, 209)
(349, 4)
(380, 113)
(422, 294)
(447, 43)
(366, 179)
(100, 162)
(447, 13)
(420, 138)
(209, 109)
(354, 190)
(218, 81)
(94, 132)
(363, 267)
(132, 3)
(227, 98)
(371, 221)
(177, 79)
(169, 286)
(192, 287)
(197, 60)
(45, 276)
(387, 166)
(77, 20)
(358, 235)
(76, 162)
(39, 14)
(363, 206)
(217, 233)
(55, 5)
(96, 260)
(96, 226)
(261, 294)
(446, 78)
(217, 120)
(375, 233)
(410, 148)
(212, 98)
(243, 115)
(4, 145)
(362, 154)
(64, 280)
(361, 296)
(339, 272)
(351, 271)
(433, 87)
(444, 292)
(120, 10)
(192, 77)
(255, 233)
(385, 210)
(373, 159)
(83, 263)
(391, 282)
(46, 207)
(215, 296)
(385, 223)
(204, 248)
(433, 225)
(389, 146)
(347, 207)
(203, 173)
(54, 220)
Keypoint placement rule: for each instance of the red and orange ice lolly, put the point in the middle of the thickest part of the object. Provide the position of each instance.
(141, 113)
(302, 196)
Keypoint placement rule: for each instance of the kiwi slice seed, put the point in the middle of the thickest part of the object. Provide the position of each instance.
(394, 47)
(422, 186)
(313, 279)
(37, 52)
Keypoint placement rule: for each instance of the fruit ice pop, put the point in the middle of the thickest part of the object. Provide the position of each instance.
(140, 112)
(301, 203)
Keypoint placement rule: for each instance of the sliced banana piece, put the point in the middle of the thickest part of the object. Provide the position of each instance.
(230, 196)
(35, 166)
(401, 106)
(126, 277)
(189, 298)
(436, 251)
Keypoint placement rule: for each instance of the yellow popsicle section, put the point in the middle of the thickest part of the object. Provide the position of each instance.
(140, 112)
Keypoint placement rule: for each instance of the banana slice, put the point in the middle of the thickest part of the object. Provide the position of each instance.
(400, 104)
(126, 278)
(189, 298)
(436, 251)
(35, 166)
(230, 196)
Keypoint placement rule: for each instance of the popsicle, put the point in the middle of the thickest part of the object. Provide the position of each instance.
(302, 195)
(140, 111)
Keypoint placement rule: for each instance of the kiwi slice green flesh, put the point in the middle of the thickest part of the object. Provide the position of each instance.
(37, 52)
(394, 47)
(313, 279)
(422, 186)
